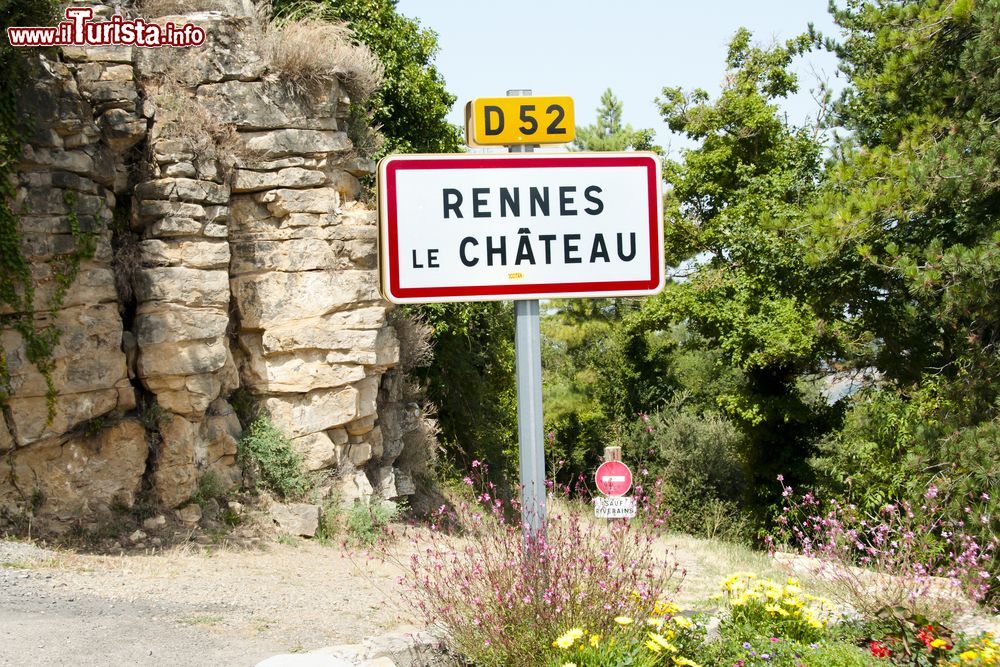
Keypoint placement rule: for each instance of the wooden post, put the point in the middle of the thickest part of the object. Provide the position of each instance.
(612, 453)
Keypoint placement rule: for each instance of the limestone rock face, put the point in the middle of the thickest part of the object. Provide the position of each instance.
(77, 476)
(230, 251)
(190, 449)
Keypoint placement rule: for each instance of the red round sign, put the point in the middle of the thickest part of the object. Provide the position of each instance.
(613, 478)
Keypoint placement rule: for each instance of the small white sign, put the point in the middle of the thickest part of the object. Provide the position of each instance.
(619, 507)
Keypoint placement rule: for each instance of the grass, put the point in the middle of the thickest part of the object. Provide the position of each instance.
(708, 562)
(201, 619)
(287, 540)
(305, 48)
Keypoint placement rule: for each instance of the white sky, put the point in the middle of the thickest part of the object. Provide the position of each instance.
(581, 47)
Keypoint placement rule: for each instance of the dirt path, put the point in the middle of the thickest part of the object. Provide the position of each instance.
(226, 606)
(186, 607)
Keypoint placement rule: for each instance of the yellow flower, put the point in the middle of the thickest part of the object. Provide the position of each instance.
(655, 622)
(569, 664)
(568, 638)
(595, 640)
(686, 662)
(653, 646)
(682, 622)
(968, 656)
(622, 620)
(938, 643)
(662, 642)
(774, 609)
(661, 608)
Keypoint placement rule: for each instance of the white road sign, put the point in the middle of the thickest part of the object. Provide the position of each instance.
(617, 507)
(520, 226)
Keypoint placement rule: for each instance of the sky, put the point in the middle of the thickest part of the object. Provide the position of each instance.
(636, 47)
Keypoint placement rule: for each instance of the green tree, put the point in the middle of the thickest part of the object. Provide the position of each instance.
(908, 220)
(471, 381)
(608, 133)
(579, 334)
(732, 213)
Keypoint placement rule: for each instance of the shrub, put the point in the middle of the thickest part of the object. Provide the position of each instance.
(777, 624)
(973, 653)
(368, 521)
(305, 48)
(502, 598)
(696, 457)
(268, 456)
(902, 561)
(764, 607)
(777, 652)
(209, 487)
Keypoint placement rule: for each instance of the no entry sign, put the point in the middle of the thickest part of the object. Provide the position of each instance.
(520, 226)
(613, 478)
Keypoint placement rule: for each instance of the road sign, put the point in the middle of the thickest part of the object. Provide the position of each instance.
(520, 226)
(613, 478)
(506, 121)
(614, 508)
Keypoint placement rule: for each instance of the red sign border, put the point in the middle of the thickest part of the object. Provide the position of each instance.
(598, 484)
(397, 163)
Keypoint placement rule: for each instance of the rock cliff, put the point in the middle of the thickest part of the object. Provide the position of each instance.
(233, 254)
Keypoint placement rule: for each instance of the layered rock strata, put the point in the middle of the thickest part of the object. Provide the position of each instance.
(251, 265)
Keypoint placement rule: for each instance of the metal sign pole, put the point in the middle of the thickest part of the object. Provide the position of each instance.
(528, 353)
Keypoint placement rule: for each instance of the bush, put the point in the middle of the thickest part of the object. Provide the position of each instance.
(695, 456)
(777, 652)
(901, 561)
(779, 625)
(368, 521)
(896, 448)
(268, 456)
(502, 599)
(306, 51)
(765, 607)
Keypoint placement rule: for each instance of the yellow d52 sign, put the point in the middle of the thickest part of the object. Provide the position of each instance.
(505, 121)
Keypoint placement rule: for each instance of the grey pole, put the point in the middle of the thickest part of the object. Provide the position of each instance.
(528, 353)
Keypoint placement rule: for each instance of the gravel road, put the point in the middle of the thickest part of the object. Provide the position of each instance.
(185, 607)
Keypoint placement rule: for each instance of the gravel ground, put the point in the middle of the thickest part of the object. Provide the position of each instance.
(186, 607)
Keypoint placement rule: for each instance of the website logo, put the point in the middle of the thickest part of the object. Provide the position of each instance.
(80, 30)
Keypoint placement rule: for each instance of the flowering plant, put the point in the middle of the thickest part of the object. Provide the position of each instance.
(904, 560)
(981, 651)
(780, 610)
(501, 596)
(664, 638)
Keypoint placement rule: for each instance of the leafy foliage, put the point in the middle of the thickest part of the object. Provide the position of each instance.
(731, 215)
(471, 381)
(694, 457)
(265, 451)
(908, 220)
(368, 522)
